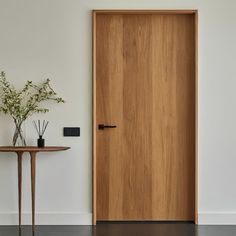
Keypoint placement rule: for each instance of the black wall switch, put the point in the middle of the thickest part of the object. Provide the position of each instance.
(71, 131)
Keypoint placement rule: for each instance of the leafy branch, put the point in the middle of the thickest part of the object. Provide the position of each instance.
(21, 104)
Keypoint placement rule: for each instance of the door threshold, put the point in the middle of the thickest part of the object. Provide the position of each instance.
(146, 222)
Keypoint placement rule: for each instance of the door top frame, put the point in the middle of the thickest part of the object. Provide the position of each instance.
(148, 11)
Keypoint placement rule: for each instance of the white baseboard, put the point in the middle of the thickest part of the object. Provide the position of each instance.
(47, 218)
(217, 218)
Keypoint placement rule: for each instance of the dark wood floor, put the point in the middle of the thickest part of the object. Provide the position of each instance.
(125, 229)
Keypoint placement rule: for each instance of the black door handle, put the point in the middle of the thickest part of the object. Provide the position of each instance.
(102, 126)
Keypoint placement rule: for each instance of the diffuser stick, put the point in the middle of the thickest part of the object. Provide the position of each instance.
(39, 127)
(45, 127)
(35, 125)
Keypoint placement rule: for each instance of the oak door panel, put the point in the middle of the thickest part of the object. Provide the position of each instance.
(145, 84)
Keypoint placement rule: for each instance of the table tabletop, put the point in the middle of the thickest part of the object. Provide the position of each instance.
(32, 149)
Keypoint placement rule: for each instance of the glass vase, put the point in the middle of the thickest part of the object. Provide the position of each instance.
(19, 136)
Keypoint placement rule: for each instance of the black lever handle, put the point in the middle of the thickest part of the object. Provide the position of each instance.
(102, 126)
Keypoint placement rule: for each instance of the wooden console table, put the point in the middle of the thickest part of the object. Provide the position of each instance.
(32, 151)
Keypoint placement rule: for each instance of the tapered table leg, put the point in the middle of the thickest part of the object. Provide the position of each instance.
(33, 172)
(19, 165)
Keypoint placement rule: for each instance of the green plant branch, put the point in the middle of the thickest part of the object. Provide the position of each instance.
(20, 104)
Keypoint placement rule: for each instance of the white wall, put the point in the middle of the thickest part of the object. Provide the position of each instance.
(40, 39)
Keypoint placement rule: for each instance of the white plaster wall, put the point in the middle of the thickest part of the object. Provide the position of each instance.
(52, 38)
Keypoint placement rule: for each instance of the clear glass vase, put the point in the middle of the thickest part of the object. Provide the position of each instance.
(19, 136)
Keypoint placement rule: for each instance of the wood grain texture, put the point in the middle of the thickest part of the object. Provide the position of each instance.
(19, 167)
(94, 172)
(33, 174)
(173, 117)
(196, 117)
(32, 149)
(145, 84)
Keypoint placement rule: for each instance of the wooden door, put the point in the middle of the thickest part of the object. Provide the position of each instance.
(144, 83)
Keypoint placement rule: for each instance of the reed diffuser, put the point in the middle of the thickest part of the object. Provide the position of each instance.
(41, 128)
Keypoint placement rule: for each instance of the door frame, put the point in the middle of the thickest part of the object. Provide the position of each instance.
(94, 128)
